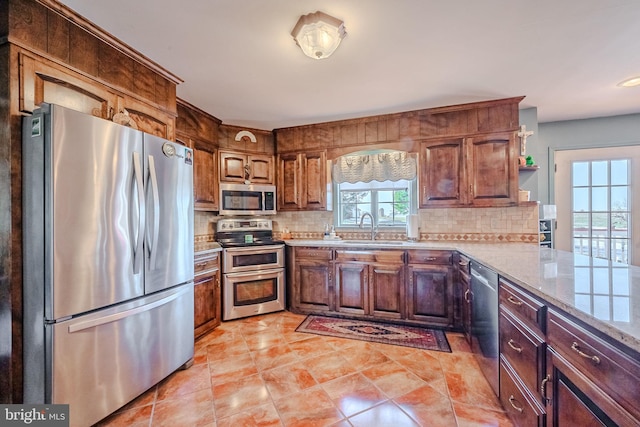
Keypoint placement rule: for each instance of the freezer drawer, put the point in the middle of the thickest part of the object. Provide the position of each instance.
(103, 360)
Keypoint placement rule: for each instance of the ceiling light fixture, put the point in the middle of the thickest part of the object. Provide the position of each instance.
(633, 81)
(318, 34)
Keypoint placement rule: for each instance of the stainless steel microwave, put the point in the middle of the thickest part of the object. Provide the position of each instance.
(247, 199)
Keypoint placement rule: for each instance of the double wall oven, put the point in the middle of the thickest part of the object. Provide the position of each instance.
(252, 268)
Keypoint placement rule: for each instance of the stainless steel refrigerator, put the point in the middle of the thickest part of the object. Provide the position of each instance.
(108, 261)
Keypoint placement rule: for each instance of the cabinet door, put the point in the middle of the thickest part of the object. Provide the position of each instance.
(493, 173)
(576, 401)
(289, 185)
(260, 169)
(387, 291)
(442, 174)
(315, 181)
(206, 303)
(351, 286)
(313, 281)
(205, 173)
(232, 167)
(465, 288)
(430, 294)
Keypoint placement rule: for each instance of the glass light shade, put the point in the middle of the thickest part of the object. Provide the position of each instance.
(318, 34)
(634, 81)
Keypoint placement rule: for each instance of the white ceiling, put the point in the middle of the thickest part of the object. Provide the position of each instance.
(240, 63)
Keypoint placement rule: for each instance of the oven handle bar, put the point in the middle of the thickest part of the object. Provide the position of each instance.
(257, 274)
(254, 249)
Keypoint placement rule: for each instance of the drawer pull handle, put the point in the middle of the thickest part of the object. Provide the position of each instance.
(575, 347)
(429, 258)
(466, 295)
(514, 346)
(201, 265)
(513, 405)
(543, 388)
(514, 301)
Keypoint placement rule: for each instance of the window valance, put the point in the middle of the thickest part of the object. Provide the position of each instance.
(383, 166)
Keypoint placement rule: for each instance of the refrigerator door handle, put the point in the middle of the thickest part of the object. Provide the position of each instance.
(153, 246)
(137, 251)
(81, 326)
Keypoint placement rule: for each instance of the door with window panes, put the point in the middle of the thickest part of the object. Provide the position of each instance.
(594, 189)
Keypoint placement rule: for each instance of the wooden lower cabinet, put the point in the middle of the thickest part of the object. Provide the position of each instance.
(589, 381)
(313, 277)
(370, 283)
(207, 296)
(464, 295)
(430, 294)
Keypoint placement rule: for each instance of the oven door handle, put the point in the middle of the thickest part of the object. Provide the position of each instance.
(253, 249)
(255, 273)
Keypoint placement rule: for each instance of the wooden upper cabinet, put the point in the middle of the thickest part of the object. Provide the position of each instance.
(493, 172)
(205, 172)
(442, 173)
(238, 167)
(302, 181)
(475, 171)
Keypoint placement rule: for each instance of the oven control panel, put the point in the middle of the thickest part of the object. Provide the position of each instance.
(244, 224)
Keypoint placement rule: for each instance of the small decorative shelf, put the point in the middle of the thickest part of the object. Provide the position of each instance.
(529, 168)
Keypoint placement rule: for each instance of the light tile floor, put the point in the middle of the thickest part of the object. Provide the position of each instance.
(259, 372)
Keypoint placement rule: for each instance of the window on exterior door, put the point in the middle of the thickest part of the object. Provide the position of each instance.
(595, 191)
(600, 214)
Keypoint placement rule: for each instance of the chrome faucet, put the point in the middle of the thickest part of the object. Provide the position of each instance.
(373, 226)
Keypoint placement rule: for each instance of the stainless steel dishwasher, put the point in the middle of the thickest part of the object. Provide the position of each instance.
(484, 322)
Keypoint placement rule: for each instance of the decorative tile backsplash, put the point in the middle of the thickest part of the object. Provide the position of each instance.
(499, 225)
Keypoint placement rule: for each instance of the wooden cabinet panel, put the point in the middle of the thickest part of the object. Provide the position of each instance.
(302, 181)
(207, 295)
(527, 308)
(524, 350)
(260, 169)
(311, 280)
(430, 294)
(314, 285)
(351, 287)
(442, 175)
(473, 171)
(238, 167)
(493, 175)
(289, 185)
(464, 278)
(232, 167)
(387, 291)
(315, 181)
(205, 168)
(611, 370)
(523, 409)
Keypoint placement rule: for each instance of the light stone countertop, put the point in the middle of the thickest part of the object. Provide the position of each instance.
(601, 293)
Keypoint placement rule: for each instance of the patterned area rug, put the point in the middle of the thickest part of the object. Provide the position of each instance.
(408, 336)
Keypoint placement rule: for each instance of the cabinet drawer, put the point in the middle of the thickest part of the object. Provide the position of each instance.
(314, 253)
(524, 350)
(517, 402)
(393, 257)
(206, 263)
(527, 308)
(615, 372)
(429, 257)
